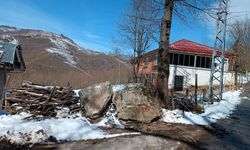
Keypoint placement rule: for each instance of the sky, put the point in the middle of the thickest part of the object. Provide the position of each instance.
(93, 23)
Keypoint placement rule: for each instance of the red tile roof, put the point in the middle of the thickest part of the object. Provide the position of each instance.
(187, 46)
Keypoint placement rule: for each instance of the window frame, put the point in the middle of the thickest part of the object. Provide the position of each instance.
(146, 61)
(156, 60)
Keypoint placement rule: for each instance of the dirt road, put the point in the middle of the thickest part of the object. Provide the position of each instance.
(234, 132)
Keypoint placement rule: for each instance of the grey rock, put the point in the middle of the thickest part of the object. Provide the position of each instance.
(95, 99)
(135, 104)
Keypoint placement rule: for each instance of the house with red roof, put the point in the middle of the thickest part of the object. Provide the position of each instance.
(187, 58)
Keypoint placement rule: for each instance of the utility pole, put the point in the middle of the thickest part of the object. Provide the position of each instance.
(218, 59)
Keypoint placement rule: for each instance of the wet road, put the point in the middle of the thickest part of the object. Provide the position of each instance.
(234, 132)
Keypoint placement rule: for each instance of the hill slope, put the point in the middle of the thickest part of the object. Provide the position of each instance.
(55, 59)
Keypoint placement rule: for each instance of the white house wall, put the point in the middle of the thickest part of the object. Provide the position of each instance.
(202, 73)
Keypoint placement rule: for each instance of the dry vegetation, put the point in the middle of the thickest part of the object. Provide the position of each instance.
(50, 69)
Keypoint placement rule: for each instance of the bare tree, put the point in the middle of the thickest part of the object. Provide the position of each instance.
(146, 20)
(240, 38)
(116, 48)
(137, 31)
(181, 8)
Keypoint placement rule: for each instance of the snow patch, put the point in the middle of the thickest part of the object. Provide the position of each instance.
(75, 127)
(244, 78)
(110, 120)
(213, 112)
(77, 92)
(118, 87)
(41, 34)
(62, 50)
(14, 41)
(7, 29)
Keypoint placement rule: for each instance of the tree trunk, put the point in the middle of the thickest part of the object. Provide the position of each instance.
(163, 55)
(134, 68)
(135, 55)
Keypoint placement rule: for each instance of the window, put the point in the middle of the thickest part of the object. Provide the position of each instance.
(171, 58)
(186, 60)
(146, 60)
(198, 61)
(181, 59)
(203, 62)
(191, 61)
(208, 62)
(156, 60)
(176, 59)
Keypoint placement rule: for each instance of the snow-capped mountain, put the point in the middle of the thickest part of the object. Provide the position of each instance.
(57, 59)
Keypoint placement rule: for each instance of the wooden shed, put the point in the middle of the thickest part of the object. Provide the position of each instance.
(11, 61)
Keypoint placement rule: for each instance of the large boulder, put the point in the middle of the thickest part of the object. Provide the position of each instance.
(95, 99)
(136, 104)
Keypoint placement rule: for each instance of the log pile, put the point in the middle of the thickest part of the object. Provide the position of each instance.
(41, 100)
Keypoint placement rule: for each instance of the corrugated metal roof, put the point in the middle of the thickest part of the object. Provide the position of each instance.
(9, 50)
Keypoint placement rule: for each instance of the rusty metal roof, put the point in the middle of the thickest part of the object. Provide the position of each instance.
(7, 52)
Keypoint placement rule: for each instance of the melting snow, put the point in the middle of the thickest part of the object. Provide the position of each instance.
(110, 120)
(243, 78)
(75, 127)
(118, 87)
(65, 127)
(14, 41)
(213, 112)
(77, 92)
(7, 29)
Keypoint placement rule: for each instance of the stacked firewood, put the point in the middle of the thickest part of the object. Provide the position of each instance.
(41, 100)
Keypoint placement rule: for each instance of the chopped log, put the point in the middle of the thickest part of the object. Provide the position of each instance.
(36, 94)
(50, 96)
(47, 88)
(14, 100)
(42, 100)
